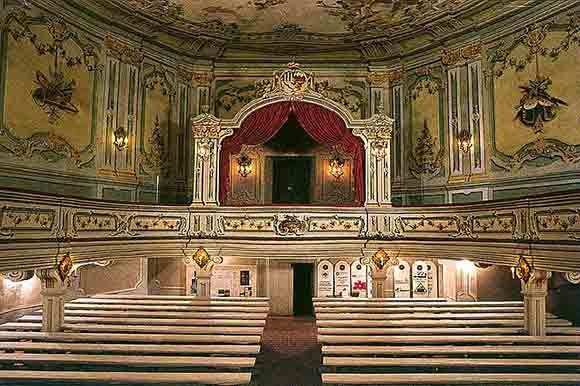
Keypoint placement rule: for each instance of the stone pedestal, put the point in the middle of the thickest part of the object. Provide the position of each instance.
(380, 284)
(53, 292)
(203, 284)
(534, 293)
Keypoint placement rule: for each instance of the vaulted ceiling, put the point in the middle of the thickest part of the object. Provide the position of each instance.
(374, 28)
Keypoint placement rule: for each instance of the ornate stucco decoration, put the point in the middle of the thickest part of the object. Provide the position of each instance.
(461, 55)
(337, 224)
(202, 259)
(160, 77)
(247, 224)
(165, 10)
(18, 276)
(293, 83)
(565, 221)
(426, 160)
(123, 51)
(155, 159)
(289, 225)
(13, 219)
(572, 277)
(543, 147)
(206, 126)
(195, 78)
(426, 83)
(381, 260)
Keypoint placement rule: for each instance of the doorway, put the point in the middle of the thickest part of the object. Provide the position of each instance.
(292, 180)
(303, 289)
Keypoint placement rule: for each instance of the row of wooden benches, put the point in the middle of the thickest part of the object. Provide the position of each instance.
(363, 345)
(179, 340)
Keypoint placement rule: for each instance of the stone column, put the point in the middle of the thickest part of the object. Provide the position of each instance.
(204, 284)
(535, 292)
(377, 138)
(207, 134)
(53, 291)
(380, 263)
(379, 283)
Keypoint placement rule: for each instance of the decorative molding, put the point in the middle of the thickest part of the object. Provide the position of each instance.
(565, 221)
(13, 219)
(122, 51)
(540, 148)
(18, 276)
(336, 224)
(426, 161)
(156, 159)
(572, 277)
(247, 224)
(461, 55)
(290, 225)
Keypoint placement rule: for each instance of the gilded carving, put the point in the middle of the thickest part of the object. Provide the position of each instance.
(563, 220)
(288, 225)
(206, 126)
(123, 52)
(426, 160)
(64, 267)
(336, 224)
(547, 148)
(159, 223)
(247, 224)
(572, 277)
(461, 55)
(13, 219)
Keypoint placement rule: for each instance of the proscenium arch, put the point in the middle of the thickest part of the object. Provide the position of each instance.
(351, 123)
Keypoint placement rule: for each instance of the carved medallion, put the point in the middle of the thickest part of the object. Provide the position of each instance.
(290, 225)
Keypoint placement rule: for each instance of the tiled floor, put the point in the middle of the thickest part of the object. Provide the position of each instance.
(290, 353)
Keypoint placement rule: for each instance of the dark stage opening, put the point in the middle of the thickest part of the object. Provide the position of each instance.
(292, 180)
(303, 289)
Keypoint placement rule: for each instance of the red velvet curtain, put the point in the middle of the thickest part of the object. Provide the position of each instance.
(323, 125)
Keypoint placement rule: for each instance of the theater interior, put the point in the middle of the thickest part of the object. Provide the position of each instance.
(289, 192)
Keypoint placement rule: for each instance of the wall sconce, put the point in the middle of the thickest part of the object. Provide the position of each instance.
(336, 166)
(120, 138)
(465, 140)
(244, 165)
(523, 269)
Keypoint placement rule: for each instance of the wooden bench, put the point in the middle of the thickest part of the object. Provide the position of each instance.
(391, 304)
(381, 310)
(126, 360)
(449, 350)
(78, 377)
(154, 321)
(81, 306)
(178, 297)
(420, 331)
(129, 338)
(355, 362)
(424, 316)
(140, 328)
(113, 348)
(393, 300)
(164, 314)
(451, 379)
(215, 303)
(449, 339)
(434, 323)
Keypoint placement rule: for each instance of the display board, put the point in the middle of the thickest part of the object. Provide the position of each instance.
(233, 280)
(402, 276)
(422, 279)
(342, 279)
(325, 279)
(358, 279)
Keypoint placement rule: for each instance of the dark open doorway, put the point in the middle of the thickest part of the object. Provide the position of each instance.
(292, 176)
(303, 289)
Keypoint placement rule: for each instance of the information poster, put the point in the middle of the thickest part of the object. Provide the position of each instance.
(402, 275)
(420, 279)
(358, 279)
(342, 279)
(325, 279)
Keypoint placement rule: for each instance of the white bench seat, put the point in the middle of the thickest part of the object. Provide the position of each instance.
(424, 316)
(150, 349)
(165, 314)
(154, 321)
(140, 328)
(474, 363)
(127, 360)
(420, 331)
(211, 378)
(144, 307)
(215, 303)
(129, 337)
(383, 310)
(449, 350)
(449, 339)
(433, 323)
(393, 300)
(387, 303)
(179, 297)
(451, 379)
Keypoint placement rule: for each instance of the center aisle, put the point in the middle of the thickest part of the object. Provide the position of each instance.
(290, 353)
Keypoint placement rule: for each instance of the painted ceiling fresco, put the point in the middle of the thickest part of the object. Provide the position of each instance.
(317, 16)
(371, 26)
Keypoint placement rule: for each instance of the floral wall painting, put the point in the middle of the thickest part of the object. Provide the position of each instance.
(51, 74)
